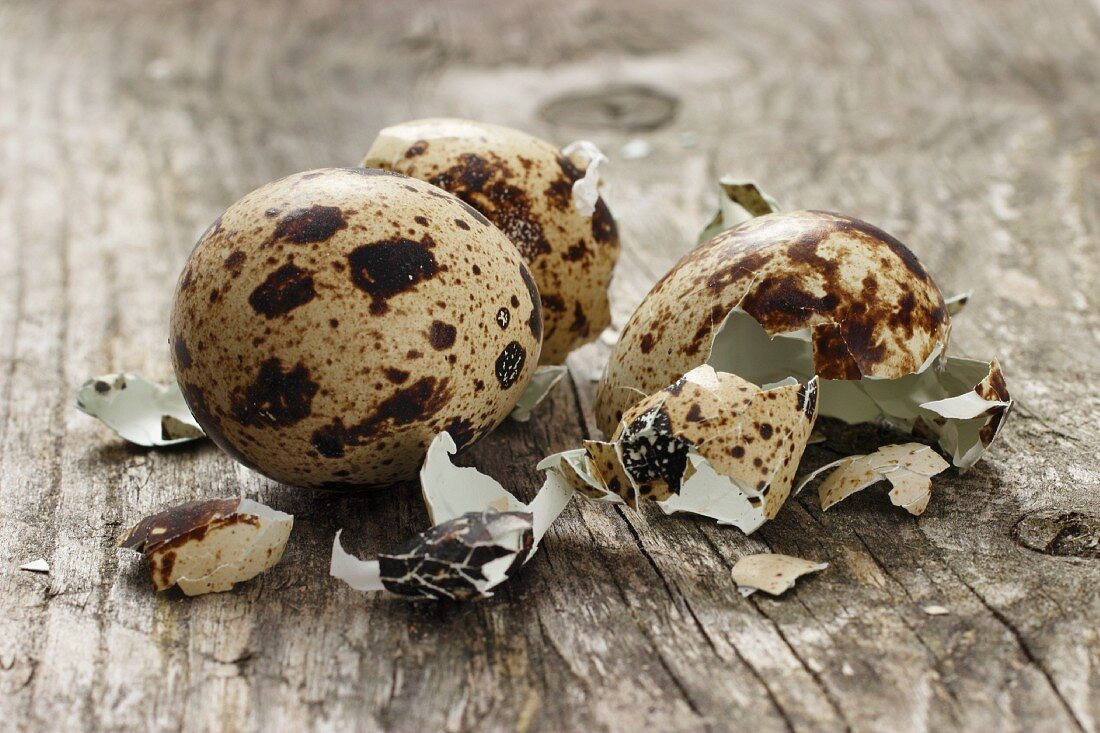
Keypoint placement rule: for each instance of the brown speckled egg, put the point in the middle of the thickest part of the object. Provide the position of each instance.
(329, 324)
(525, 186)
(871, 308)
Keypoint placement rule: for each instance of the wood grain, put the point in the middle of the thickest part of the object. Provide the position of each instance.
(971, 130)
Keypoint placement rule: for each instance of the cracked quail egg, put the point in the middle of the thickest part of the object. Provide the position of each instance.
(329, 324)
(857, 294)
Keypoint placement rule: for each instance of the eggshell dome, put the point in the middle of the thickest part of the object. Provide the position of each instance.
(870, 307)
(524, 186)
(329, 324)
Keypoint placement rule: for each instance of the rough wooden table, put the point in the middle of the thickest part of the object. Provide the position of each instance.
(971, 130)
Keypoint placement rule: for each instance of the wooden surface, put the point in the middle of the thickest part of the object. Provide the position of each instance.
(971, 130)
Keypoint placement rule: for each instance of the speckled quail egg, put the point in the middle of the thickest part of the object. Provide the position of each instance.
(524, 185)
(868, 305)
(329, 324)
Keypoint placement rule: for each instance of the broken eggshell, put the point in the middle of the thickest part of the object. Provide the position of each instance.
(461, 559)
(908, 467)
(481, 534)
(139, 411)
(547, 202)
(867, 304)
(543, 381)
(210, 545)
(772, 573)
(329, 324)
(960, 403)
(811, 293)
(711, 444)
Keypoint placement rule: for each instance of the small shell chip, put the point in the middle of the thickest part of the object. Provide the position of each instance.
(771, 572)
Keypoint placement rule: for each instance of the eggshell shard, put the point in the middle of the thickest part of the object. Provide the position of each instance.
(139, 411)
(544, 199)
(739, 201)
(450, 491)
(331, 323)
(36, 566)
(772, 573)
(481, 536)
(908, 467)
(462, 559)
(209, 546)
(806, 271)
(711, 444)
(544, 380)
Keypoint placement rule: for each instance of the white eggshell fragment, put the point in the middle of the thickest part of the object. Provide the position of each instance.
(140, 411)
(869, 307)
(209, 546)
(545, 200)
(329, 324)
(772, 573)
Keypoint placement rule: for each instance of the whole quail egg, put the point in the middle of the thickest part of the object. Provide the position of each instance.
(524, 185)
(868, 305)
(329, 324)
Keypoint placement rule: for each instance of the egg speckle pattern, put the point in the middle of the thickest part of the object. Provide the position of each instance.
(329, 324)
(525, 187)
(871, 308)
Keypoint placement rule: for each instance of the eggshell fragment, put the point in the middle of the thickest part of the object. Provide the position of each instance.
(864, 301)
(209, 546)
(481, 534)
(139, 411)
(544, 380)
(771, 572)
(711, 444)
(546, 201)
(739, 201)
(462, 559)
(450, 491)
(331, 323)
(908, 467)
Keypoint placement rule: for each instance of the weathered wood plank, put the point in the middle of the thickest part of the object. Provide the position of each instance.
(968, 129)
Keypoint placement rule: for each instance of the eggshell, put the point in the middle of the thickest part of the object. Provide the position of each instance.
(329, 324)
(870, 306)
(748, 434)
(524, 185)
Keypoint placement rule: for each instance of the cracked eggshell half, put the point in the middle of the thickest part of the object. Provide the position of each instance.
(329, 324)
(544, 199)
(861, 297)
(208, 546)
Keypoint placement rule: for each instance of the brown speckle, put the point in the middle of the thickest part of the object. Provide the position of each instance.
(509, 364)
(275, 398)
(442, 335)
(315, 224)
(282, 291)
(386, 268)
